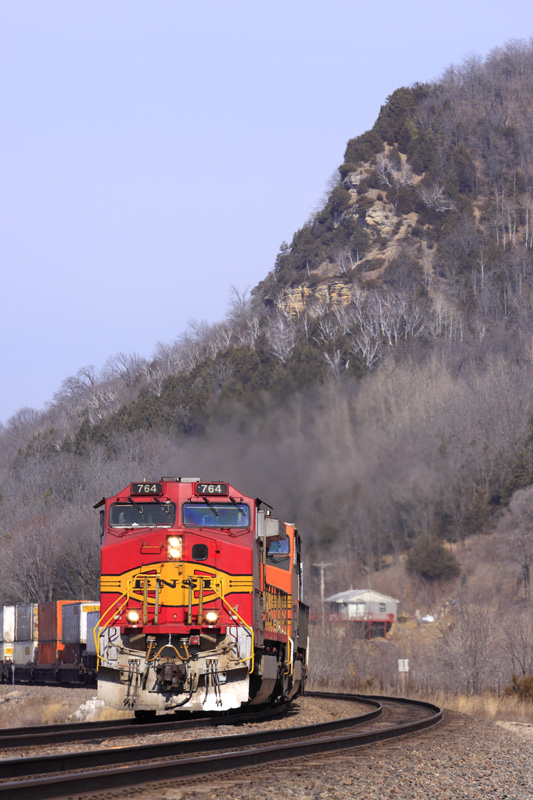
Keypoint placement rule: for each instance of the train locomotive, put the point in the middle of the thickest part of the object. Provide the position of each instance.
(201, 600)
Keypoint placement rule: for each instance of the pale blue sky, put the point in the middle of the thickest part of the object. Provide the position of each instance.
(152, 155)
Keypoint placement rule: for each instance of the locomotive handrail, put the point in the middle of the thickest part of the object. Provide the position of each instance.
(251, 657)
(145, 599)
(112, 609)
(290, 662)
(277, 614)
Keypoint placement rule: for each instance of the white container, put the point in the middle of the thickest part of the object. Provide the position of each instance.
(26, 622)
(24, 652)
(92, 621)
(6, 651)
(8, 632)
(75, 622)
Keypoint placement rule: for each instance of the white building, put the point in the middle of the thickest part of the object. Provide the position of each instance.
(374, 611)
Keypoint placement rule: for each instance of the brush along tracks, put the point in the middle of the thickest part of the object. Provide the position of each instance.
(84, 773)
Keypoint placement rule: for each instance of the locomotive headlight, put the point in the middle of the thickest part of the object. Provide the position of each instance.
(211, 617)
(132, 616)
(174, 547)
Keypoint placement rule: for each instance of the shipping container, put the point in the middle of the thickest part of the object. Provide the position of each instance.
(50, 620)
(8, 633)
(6, 651)
(93, 617)
(49, 652)
(26, 624)
(24, 652)
(71, 654)
(89, 661)
(75, 621)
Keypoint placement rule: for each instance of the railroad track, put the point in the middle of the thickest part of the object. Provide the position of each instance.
(12, 738)
(52, 776)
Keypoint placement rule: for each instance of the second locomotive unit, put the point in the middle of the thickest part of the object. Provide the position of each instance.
(201, 600)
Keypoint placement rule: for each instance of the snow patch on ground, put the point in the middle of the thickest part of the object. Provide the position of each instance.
(88, 710)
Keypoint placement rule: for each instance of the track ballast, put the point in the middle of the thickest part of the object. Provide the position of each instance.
(97, 770)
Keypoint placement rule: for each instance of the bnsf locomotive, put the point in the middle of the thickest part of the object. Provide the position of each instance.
(200, 600)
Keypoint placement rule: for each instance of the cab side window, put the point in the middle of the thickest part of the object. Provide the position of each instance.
(279, 553)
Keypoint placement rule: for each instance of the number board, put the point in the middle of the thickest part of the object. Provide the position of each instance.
(146, 488)
(211, 489)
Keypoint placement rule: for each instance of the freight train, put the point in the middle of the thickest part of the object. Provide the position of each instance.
(51, 643)
(201, 600)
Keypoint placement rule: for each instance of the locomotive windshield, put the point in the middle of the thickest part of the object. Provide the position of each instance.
(216, 515)
(141, 515)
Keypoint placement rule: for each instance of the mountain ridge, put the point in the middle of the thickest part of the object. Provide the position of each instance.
(377, 380)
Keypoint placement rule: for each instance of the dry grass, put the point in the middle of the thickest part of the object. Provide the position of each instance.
(487, 707)
(48, 705)
(30, 711)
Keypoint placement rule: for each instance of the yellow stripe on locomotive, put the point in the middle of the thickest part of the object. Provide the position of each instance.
(172, 582)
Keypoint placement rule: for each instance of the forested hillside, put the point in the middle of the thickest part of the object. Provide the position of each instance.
(375, 388)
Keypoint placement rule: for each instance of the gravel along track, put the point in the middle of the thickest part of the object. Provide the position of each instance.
(234, 752)
(461, 759)
(36, 735)
(306, 711)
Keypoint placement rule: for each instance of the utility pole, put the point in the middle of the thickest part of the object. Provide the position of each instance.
(322, 566)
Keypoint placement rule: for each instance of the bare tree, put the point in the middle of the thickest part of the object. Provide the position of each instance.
(76, 388)
(518, 640)
(169, 358)
(466, 645)
(367, 344)
(345, 260)
(31, 561)
(336, 363)
(517, 526)
(392, 175)
(282, 337)
(125, 367)
(239, 305)
(436, 198)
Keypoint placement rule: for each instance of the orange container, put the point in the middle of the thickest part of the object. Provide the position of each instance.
(49, 652)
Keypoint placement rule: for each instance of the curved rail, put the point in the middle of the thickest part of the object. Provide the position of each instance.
(247, 750)
(12, 738)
